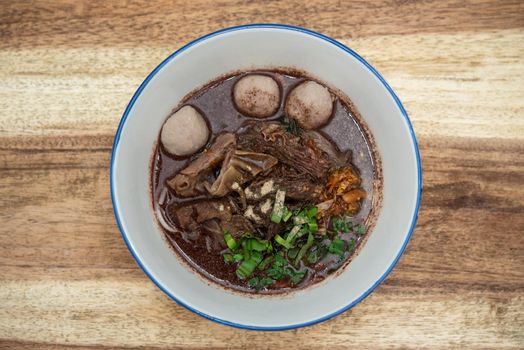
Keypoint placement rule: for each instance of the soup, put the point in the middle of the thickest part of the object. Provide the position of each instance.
(265, 181)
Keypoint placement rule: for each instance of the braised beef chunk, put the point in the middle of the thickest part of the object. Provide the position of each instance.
(213, 235)
(323, 146)
(277, 197)
(297, 187)
(238, 225)
(272, 138)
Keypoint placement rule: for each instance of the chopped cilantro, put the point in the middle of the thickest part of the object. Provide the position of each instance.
(351, 245)
(337, 247)
(260, 282)
(294, 277)
(313, 257)
(360, 229)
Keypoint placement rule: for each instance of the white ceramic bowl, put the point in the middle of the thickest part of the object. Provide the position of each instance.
(258, 46)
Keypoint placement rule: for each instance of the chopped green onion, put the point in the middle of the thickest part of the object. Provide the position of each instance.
(337, 246)
(282, 241)
(300, 220)
(228, 258)
(292, 253)
(351, 245)
(278, 207)
(238, 257)
(292, 234)
(304, 249)
(246, 254)
(230, 241)
(360, 229)
(286, 214)
(248, 266)
(312, 212)
(258, 245)
(313, 226)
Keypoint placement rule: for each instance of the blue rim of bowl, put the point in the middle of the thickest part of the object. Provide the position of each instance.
(331, 41)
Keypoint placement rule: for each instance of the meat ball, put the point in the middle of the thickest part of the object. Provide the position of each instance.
(257, 95)
(184, 132)
(310, 104)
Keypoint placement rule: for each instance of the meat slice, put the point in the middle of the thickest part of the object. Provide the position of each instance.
(297, 186)
(190, 215)
(211, 217)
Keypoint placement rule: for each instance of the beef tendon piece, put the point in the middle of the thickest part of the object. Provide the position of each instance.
(190, 181)
(238, 168)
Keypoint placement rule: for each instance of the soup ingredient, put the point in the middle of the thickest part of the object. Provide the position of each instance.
(257, 95)
(188, 216)
(254, 209)
(337, 246)
(297, 186)
(321, 143)
(310, 104)
(343, 186)
(211, 218)
(274, 139)
(238, 168)
(189, 182)
(185, 132)
(290, 256)
(278, 207)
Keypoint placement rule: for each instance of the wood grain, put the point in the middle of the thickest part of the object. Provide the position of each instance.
(67, 70)
(131, 23)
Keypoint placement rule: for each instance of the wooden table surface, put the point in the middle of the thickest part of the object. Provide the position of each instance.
(67, 71)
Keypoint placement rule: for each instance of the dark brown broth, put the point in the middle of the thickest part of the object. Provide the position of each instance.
(214, 100)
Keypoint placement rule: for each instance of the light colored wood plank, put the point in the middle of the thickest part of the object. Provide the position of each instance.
(475, 89)
(79, 311)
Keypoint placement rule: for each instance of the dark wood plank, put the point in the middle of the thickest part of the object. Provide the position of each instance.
(130, 23)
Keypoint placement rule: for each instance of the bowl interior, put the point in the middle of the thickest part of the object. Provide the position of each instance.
(231, 50)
